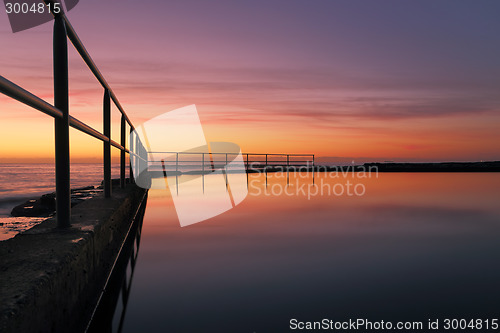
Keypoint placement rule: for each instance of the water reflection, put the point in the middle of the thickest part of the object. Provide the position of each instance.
(109, 315)
(413, 247)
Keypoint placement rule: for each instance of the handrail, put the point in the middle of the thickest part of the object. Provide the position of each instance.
(14, 91)
(201, 152)
(247, 162)
(77, 43)
(77, 124)
(63, 120)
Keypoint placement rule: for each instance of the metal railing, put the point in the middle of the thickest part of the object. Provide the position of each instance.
(63, 30)
(201, 161)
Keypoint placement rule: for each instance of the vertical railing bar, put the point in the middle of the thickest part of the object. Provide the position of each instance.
(288, 169)
(225, 173)
(265, 169)
(107, 145)
(137, 165)
(313, 169)
(246, 171)
(143, 163)
(61, 126)
(131, 156)
(122, 152)
(164, 168)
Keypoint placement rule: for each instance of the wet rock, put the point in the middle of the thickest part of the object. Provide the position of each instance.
(33, 208)
(46, 205)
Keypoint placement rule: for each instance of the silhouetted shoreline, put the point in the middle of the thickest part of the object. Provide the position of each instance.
(493, 166)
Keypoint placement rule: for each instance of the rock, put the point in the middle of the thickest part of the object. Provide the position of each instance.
(33, 208)
(49, 200)
(81, 189)
(46, 205)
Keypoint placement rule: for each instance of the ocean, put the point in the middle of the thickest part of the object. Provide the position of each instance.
(21, 182)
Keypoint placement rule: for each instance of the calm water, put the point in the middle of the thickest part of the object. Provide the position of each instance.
(413, 247)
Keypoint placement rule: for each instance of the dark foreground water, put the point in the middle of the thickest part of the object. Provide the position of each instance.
(414, 247)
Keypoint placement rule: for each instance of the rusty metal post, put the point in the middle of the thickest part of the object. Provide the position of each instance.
(61, 126)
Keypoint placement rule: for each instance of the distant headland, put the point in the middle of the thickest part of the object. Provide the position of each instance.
(490, 166)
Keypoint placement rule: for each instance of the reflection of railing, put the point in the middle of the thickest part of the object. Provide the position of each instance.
(119, 281)
(205, 161)
(60, 112)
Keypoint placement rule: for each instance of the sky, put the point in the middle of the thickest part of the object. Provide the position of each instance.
(341, 79)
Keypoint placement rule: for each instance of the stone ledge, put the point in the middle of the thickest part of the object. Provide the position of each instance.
(50, 278)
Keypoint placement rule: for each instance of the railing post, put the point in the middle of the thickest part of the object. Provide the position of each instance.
(164, 168)
(142, 166)
(107, 145)
(265, 169)
(145, 162)
(203, 163)
(176, 162)
(313, 169)
(246, 171)
(288, 169)
(225, 169)
(61, 126)
(131, 156)
(122, 153)
(137, 157)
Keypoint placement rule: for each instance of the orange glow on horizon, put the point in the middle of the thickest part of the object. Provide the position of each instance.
(466, 138)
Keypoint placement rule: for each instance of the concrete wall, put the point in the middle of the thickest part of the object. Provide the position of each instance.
(50, 279)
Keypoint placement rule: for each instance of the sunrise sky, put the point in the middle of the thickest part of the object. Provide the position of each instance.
(363, 80)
